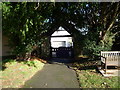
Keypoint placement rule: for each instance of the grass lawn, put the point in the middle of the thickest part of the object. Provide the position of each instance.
(92, 79)
(16, 73)
(89, 77)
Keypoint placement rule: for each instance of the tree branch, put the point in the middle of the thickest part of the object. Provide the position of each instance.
(112, 21)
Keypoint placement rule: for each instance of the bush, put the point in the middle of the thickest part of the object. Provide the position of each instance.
(92, 49)
(31, 63)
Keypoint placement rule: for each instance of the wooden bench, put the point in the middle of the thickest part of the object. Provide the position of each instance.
(110, 58)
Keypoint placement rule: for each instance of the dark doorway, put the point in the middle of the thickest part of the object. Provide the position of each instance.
(62, 52)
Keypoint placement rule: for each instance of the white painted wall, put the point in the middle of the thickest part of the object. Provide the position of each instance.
(67, 40)
(61, 41)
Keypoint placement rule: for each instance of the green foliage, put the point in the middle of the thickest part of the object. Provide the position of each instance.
(26, 23)
(8, 60)
(23, 24)
(92, 47)
(30, 63)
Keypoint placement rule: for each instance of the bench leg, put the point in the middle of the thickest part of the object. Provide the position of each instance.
(105, 69)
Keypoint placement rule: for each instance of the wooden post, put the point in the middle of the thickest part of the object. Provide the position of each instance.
(105, 65)
(50, 52)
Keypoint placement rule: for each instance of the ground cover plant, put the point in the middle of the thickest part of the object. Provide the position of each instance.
(89, 77)
(92, 79)
(16, 73)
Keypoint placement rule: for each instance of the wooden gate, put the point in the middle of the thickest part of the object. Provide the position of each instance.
(62, 52)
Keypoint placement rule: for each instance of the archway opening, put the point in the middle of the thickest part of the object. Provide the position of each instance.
(61, 44)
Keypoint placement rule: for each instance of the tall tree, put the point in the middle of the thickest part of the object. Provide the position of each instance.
(96, 22)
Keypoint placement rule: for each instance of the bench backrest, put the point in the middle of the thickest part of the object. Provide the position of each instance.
(111, 57)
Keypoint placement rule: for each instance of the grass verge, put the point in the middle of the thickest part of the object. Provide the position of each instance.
(16, 73)
(90, 78)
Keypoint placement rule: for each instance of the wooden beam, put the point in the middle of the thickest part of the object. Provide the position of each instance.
(62, 36)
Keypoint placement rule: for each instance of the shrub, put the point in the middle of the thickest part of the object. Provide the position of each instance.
(32, 63)
(92, 48)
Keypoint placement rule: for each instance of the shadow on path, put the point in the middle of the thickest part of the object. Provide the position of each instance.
(61, 60)
(53, 76)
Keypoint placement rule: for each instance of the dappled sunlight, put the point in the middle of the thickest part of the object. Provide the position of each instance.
(16, 73)
(90, 77)
(59, 35)
(53, 76)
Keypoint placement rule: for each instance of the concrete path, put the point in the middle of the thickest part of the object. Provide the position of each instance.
(53, 76)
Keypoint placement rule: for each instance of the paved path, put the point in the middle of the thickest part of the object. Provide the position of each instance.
(53, 76)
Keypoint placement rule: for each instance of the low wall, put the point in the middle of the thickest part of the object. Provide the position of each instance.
(6, 50)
